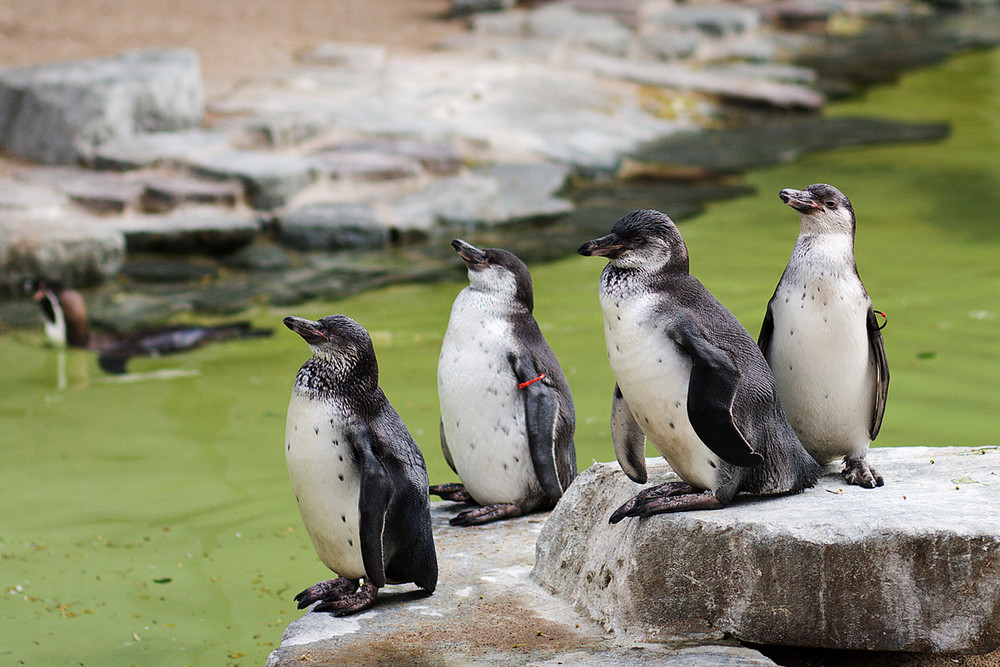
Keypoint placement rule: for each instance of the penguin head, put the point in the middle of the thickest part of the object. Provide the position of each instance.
(497, 272)
(338, 340)
(822, 209)
(64, 313)
(647, 240)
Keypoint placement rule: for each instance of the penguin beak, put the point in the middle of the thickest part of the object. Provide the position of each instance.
(800, 200)
(309, 330)
(609, 246)
(473, 257)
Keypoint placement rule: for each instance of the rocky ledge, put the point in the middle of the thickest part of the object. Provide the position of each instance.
(913, 566)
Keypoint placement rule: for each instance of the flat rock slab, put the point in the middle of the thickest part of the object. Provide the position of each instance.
(485, 611)
(60, 113)
(69, 249)
(911, 566)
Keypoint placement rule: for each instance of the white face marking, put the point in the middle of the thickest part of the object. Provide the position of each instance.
(651, 255)
(482, 409)
(326, 482)
(653, 376)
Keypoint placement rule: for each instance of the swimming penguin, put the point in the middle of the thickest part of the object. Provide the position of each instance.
(689, 377)
(507, 416)
(64, 315)
(822, 339)
(359, 478)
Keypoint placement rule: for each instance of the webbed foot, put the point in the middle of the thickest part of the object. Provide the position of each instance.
(486, 514)
(857, 471)
(453, 492)
(329, 589)
(669, 497)
(352, 603)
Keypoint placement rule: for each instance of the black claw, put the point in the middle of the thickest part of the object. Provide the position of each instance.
(486, 514)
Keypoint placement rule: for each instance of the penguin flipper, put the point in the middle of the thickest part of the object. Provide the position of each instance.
(715, 381)
(541, 416)
(766, 329)
(445, 450)
(877, 347)
(376, 493)
(628, 439)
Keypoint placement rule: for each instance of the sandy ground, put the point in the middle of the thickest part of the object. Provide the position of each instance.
(235, 38)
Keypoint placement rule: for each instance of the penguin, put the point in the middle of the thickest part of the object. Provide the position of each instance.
(64, 315)
(358, 476)
(689, 378)
(822, 339)
(507, 416)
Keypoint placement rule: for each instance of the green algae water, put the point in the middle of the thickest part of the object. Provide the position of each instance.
(149, 520)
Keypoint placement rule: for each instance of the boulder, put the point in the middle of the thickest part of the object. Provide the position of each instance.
(69, 250)
(197, 230)
(61, 113)
(911, 566)
(332, 226)
(270, 180)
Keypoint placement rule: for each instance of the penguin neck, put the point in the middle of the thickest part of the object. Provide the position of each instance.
(498, 303)
(831, 249)
(322, 376)
(620, 279)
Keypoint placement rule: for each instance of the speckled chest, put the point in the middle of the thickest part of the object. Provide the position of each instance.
(653, 375)
(325, 478)
(819, 351)
(482, 409)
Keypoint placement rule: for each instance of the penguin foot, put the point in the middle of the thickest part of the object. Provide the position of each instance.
(859, 472)
(669, 497)
(487, 514)
(453, 492)
(352, 603)
(329, 589)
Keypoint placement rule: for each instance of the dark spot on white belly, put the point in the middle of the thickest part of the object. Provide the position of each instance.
(288, 446)
(712, 463)
(350, 543)
(340, 477)
(343, 518)
(316, 430)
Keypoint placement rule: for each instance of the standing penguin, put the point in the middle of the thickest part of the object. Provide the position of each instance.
(689, 378)
(507, 416)
(822, 340)
(359, 479)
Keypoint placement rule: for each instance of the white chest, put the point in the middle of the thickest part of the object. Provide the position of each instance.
(326, 481)
(482, 409)
(653, 375)
(820, 358)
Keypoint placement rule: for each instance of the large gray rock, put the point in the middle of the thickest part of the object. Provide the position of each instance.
(911, 566)
(74, 251)
(270, 180)
(332, 226)
(485, 612)
(61, 113)
(196, 230)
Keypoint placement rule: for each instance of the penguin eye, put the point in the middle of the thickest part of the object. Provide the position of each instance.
(830, 203)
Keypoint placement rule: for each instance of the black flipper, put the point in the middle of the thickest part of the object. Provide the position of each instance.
(376, 494)
(767, 329)
(628, 439)
(882, 372)
(541, 414)
(715, 379)
(444, 448)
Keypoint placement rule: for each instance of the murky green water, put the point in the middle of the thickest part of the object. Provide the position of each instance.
(151, 522)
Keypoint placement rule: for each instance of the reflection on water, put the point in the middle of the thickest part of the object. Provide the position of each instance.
(149, 520)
